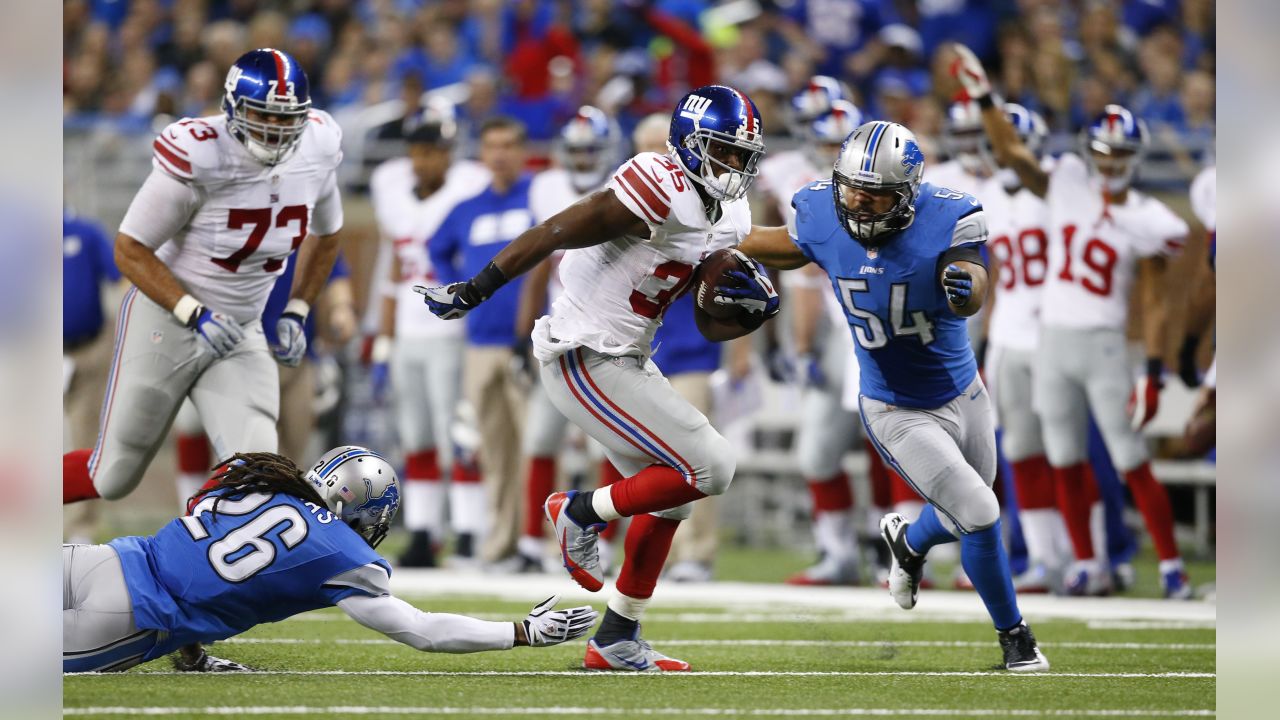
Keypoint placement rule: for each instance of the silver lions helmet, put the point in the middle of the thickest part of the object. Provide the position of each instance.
(876, 180)
(360, 487)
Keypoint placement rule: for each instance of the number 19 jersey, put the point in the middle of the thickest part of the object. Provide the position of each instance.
(912, 349)
(615, 293)
(261, 558)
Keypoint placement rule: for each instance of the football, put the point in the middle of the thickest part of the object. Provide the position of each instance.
(712, 271)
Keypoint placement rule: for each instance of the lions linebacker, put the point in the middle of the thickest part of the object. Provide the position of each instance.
(911, 276)
(632, 249)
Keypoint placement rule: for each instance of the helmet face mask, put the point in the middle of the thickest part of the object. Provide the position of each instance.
(360, 487)
(588, 148)
(826, 134)
(1113, 146)
(717, 137)
(963, 137)
(876, 181)
(267, 100)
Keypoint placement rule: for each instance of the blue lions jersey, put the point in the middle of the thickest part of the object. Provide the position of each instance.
(261, 558)
(912, 349)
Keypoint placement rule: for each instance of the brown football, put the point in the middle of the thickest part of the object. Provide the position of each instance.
(710, 273)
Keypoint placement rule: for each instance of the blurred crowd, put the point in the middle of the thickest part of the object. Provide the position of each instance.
(127, 61)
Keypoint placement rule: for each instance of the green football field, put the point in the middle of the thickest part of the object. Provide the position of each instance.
(757, 649)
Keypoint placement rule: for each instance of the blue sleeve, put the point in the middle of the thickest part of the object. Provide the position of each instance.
(444, 249)
(340, 269)
(105, 252)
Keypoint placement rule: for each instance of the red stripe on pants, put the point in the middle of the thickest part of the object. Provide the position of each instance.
(647, 545)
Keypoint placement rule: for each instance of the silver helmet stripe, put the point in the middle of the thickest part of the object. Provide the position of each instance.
(873, 144)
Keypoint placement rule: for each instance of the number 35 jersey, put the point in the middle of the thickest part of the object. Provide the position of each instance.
(912, 349)
(261, 558)
(615, 293)
(228, 225)
(1095, 246)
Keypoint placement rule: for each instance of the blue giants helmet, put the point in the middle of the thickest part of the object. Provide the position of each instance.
(266, 101)
(1031, 129)
(588, 148)
(360, 487)
(1114, 144)
(815, 99)
(828, 131)
(713, 124)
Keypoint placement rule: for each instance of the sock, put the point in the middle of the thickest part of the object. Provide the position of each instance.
(1033, 481)
(76, 483)
(1153, 502)
(832, 494)
(465, 469)
(1098, 533)
(1037, 509)
(424, 493)
(582, 510)
(467, 507)
(464, 545)
(538, 484)
(608, 476)
(657, 487)
(1076, 491)
(833, 534)
(878, 475)
(647, 545)
(984, 559)
(615, 627)
(927, 531)
(1039, 530)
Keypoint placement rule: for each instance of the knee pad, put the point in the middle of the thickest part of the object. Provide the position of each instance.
(677, 513)
(979, 510)
(718, 465)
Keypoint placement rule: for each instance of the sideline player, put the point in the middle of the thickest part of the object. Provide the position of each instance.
(1104, 237)
(418, 354)
(633, 248)
(229, 199)
(311, 541)
(908, 280)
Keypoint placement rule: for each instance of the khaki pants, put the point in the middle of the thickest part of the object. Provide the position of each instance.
(81, 408)
(499, 405)
(297, 411)
(698, 537)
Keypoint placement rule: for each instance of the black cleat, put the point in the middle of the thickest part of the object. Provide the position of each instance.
(420, 553)
(1020, 652)
(204, 662)
(906, 569)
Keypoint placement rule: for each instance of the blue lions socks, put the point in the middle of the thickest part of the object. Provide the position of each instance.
(983, 557)
(927, 531)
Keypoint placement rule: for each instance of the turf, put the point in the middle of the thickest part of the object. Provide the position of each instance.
(822, 642)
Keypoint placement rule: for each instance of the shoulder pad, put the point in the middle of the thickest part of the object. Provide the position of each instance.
(188, 148)
(649, 184)
(326, 137)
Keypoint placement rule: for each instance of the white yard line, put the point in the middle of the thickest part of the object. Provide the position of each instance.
(695, 674)
(758, 712)
(757, 598)
(779, 643)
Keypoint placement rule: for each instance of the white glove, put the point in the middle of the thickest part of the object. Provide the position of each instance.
(968, 71)
(545, 626)
(217, 332)
(291, 334)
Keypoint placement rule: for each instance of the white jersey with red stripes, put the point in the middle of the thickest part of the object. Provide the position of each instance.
(782, 176)
(409, 222)
(615, 293)
(251, 217)
(1019, 247)
(550, 192)
(1095, 245)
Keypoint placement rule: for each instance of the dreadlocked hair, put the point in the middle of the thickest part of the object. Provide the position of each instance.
(262, 472)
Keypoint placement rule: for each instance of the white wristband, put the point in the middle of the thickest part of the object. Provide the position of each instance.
(381, 350)
(298, 306)
(186, 309)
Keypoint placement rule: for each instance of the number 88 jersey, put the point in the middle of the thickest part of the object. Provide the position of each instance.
(229, 224)
(1019, 247)
(615, 293)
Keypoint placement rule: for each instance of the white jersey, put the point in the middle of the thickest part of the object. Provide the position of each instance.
(615, 293)
(240, 220)
(1094, 248)
(1020, 245)
(951, 174)
(550, 192)
(408, 223)
(782, 176)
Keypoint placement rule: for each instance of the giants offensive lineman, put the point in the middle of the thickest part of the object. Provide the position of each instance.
(632, 248)
(907, 281)
(1104, 236)
(229, 200)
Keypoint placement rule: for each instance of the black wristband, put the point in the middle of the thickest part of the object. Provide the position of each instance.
(985, 101)
(483, 285)
(194, 319)
(1155, 367)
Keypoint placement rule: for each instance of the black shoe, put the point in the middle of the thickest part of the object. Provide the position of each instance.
(906, 569)
(205, 662)
(1020, 652)
(420, 553)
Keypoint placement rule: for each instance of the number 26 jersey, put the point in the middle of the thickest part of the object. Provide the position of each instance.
(615, 293)
(912, 349)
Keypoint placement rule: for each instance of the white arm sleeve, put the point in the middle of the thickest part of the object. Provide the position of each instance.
(327, 218)
(970, 229)
(429, 632)
(162, 207)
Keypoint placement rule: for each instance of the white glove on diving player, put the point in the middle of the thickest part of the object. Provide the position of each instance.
(547, 626)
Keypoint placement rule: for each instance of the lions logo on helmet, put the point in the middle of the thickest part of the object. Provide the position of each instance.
(266, 100)
(1114, 144)
(360, 487)
(717, 136)
(883, 160)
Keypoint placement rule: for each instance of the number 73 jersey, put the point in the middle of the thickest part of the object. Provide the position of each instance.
(912, 349)
(616, 293)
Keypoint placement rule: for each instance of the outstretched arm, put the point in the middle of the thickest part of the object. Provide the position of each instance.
(773, 247)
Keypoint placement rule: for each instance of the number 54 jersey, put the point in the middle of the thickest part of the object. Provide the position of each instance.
(615, 293)
(228, 233)
(260, 558)
(912, 349)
